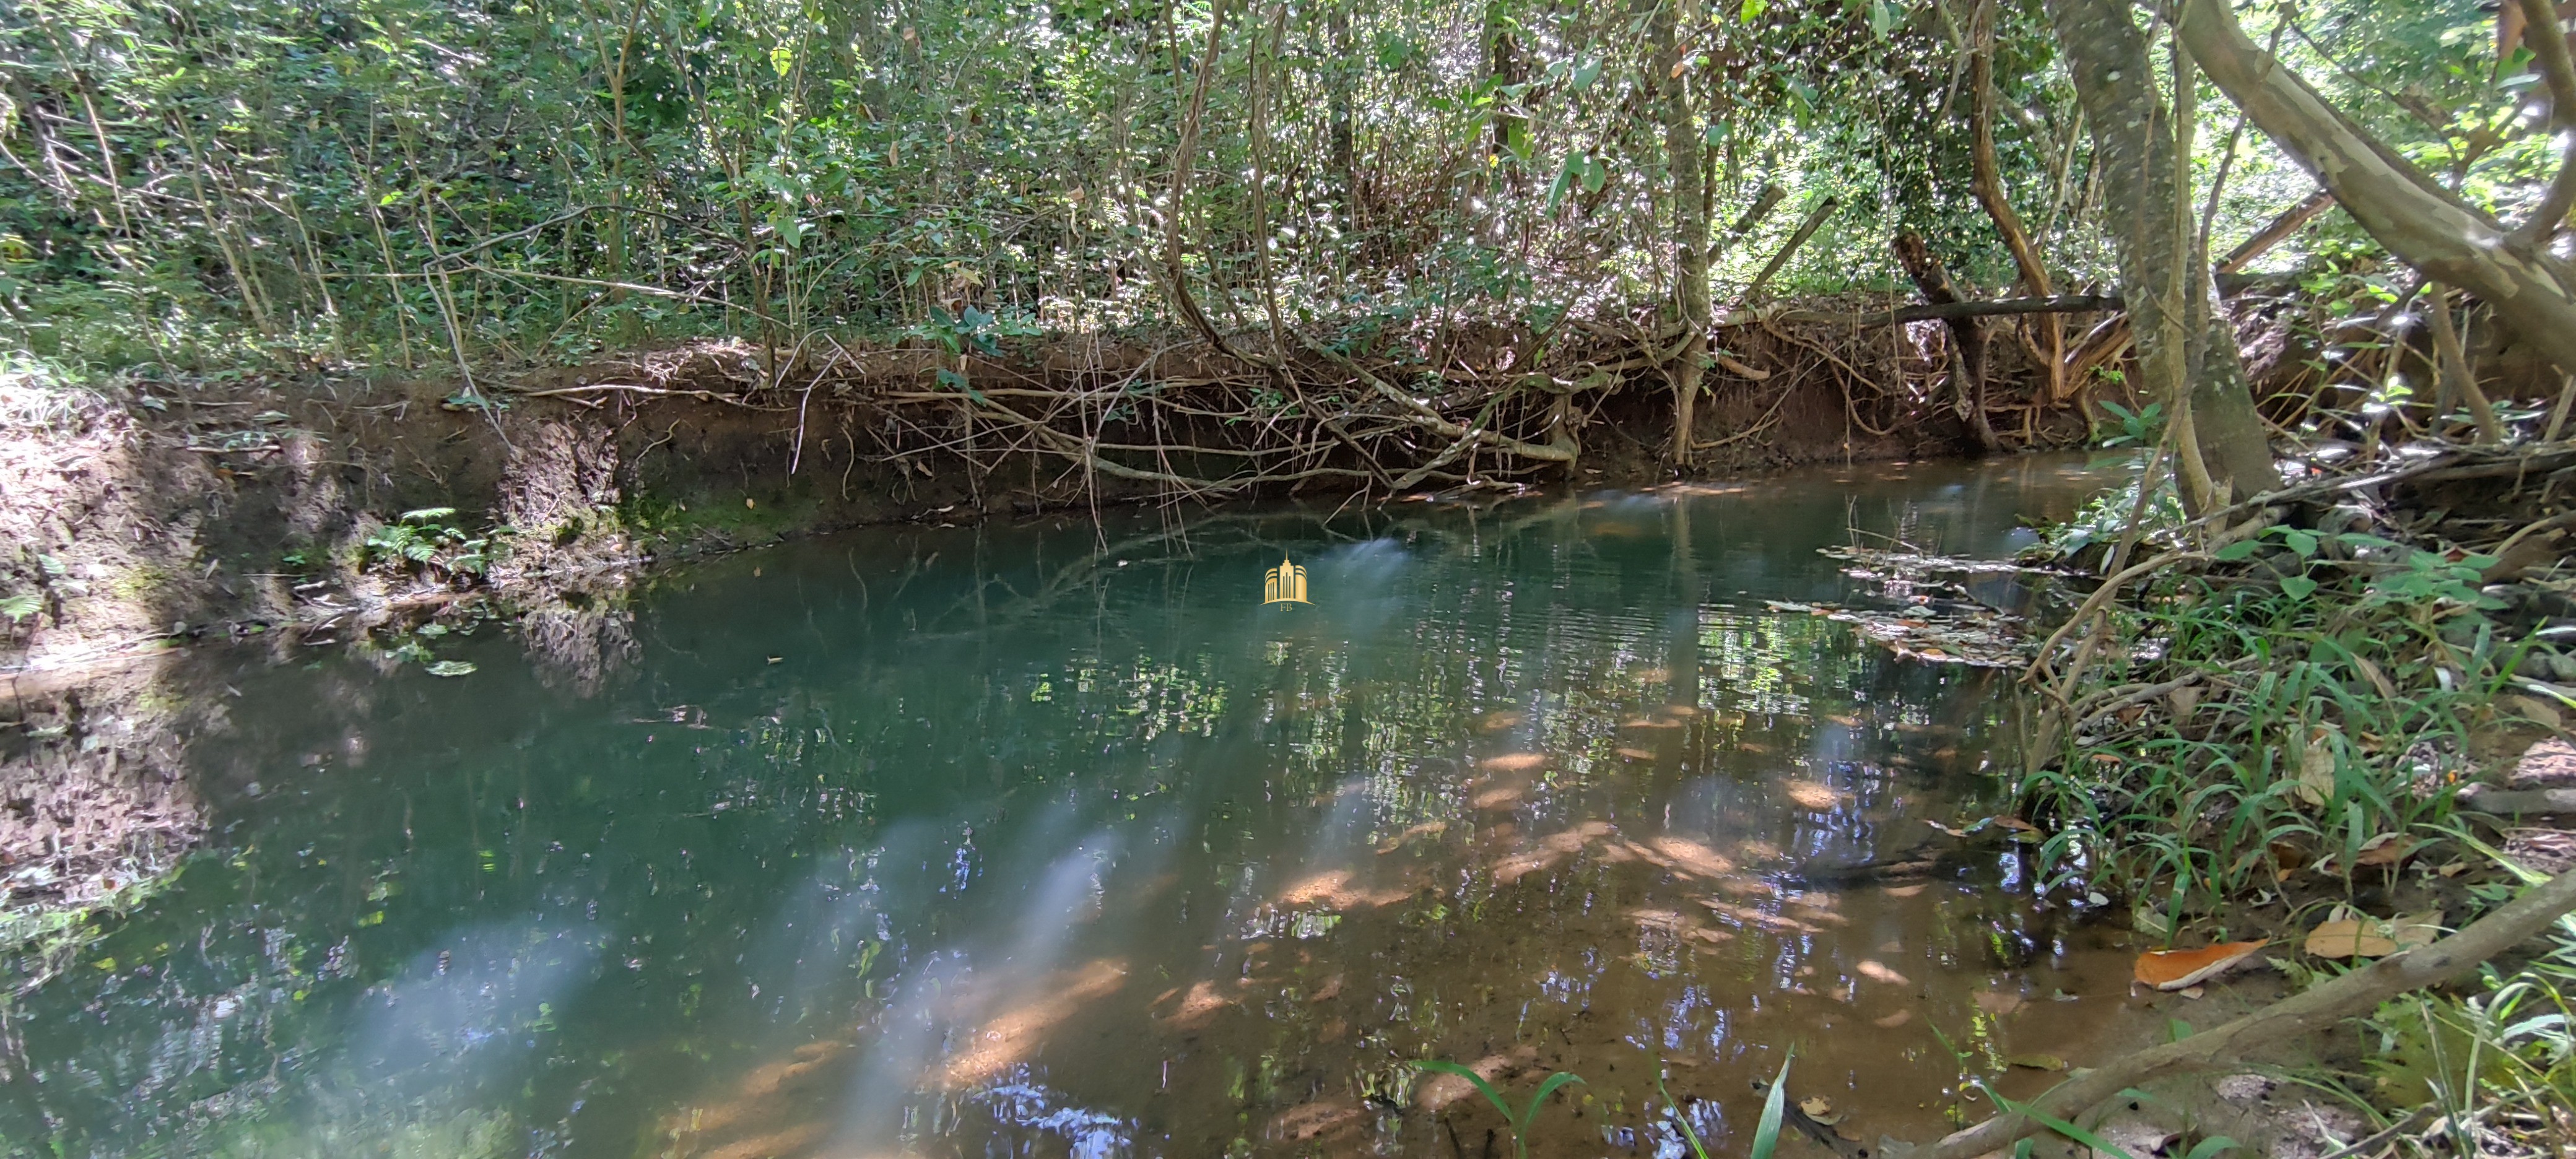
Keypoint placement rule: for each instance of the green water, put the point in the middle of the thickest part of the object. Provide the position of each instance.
(1050, 839)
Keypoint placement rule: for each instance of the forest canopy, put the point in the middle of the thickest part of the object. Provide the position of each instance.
(225, 182)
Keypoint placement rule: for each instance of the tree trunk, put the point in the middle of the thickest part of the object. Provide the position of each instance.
(1503, 64)
(2426, 226)
(1967, 337)
(1987, 180)
(1337, 83)
(2186, 349)
(1683, 156)
(2451, 368)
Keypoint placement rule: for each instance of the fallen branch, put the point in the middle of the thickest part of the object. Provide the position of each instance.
(2273, 233)
(2301, 1014)
(1806, 229)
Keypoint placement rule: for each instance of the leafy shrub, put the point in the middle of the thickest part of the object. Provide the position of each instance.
(421, 541)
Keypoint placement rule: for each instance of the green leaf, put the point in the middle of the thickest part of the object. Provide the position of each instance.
(2241, 549)
(2305, 543)
(1752, 10)
(1883, 18)
(1595, 174)
(1690, 1134)
(1545, 1089)
(1585, 74)
(2211, 1146)
(427, 513)
(1766, 1133)
(20, 606)
(2060, 1126)
(450, 668)
(1564, 177)
(2298, 587)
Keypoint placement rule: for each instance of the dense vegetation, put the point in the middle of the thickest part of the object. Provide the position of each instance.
(216, 187)
(203, 185)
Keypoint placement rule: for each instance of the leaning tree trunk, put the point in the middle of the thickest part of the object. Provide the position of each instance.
(2186, 349)
(1967, 337)
(1986, 180)
(1685, 361)
(2424, 225)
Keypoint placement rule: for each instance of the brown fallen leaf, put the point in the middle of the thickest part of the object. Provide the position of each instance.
(2350, 938)
(1893, 1021)
(1905, 890)
(1998, 1003)
(1876, 972)
(2316, 774)
(2412, 930)
(1636, 754)
(2385, 849)
(1514, 762)
(1815, 1107)
(2177, 969)
(1810, 795)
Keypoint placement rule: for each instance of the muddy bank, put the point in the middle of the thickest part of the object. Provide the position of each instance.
(183, 509)
(314, 511)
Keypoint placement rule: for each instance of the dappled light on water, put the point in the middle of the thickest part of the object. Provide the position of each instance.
(1051, 841)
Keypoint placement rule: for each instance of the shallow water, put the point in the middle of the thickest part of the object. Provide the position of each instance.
(1045, 840)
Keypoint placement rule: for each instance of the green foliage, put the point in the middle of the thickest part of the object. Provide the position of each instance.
(20, 605)
(2061, 1126)
(2509, 1047)
(2138, 428)
(421, 541)
(2104, 519)
(268, 182)
(1766, 1131)
(2339, 702)
(1518, 1121)
(1690, 1134)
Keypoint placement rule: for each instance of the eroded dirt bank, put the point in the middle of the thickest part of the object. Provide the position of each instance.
(183, 510)
(315, 511)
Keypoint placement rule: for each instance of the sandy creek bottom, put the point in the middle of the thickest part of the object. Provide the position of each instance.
(1053, 840)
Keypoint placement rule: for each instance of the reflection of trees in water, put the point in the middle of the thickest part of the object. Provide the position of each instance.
(94, 808)
(1000, 694)
(580, 639)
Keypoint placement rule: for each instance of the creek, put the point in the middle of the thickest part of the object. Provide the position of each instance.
(1052, 839)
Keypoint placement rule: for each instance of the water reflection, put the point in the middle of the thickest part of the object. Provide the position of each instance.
(1050, 840)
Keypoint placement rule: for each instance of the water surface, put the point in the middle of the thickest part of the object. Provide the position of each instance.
(1050, 839)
